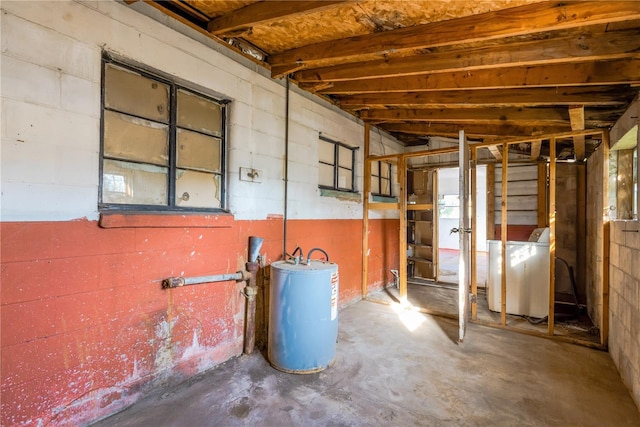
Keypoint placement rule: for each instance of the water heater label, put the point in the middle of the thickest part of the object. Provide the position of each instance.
(334, 295)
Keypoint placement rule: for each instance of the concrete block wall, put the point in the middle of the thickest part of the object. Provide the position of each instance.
(624, 303)
(595, 217)
(86, 327)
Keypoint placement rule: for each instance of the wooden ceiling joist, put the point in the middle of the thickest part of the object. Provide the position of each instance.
(525, 116)
(476, 131)
(553, 51)
(527, 97)
(619, 71)
(265, 12)
(528, 19)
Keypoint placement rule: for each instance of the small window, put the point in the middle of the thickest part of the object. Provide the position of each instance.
(449, 206)
(336, 165)
(163, 145)
(381, 179)
(623, 177)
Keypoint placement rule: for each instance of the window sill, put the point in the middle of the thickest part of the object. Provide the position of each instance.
(384, 199)
(341, 195)
(165, 220)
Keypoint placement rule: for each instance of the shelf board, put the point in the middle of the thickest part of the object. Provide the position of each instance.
(425, 260)
(421, 245)
(421, 221)
(420, 207)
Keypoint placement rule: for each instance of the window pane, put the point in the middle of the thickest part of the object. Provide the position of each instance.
(133, 183)
(386, 187)
(132, 93)
(345, 157)
(197, 189)
(375, 186)
(325, 152)
(375, 168)
(344, 179)
(130, 138)
(326, 175)
(197, 151)
(197, 113)
(385, 170)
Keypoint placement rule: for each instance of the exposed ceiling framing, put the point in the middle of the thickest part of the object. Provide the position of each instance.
(499, 69)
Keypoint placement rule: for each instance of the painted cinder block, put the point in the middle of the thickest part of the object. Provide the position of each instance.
(38, 44)
(20, 78)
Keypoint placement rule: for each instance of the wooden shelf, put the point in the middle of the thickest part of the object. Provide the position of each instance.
(424, 260)
(420, 207)
(422, 245)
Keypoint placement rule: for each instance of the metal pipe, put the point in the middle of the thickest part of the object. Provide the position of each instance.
(286, 170)
(317, 249)
(176, 282)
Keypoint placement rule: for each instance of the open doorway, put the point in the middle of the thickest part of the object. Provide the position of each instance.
(448, 218)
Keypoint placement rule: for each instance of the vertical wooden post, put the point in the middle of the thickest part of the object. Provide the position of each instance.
(474, 234)
(581, 223)
(552, 233)
(542, 194)
(491, 201)
(604, 317)
(503, 236)
(435, 231)
(402, 267)
(365, 209)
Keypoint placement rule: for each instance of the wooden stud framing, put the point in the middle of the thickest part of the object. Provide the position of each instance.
(434, 230)
(576, 116)
(535, 149)
(474, 237)
(552, 233)
(542, 194)
(604, 317)
(491, 197)
(365, 210)
(503, 238)
(402, 267)
(581, 222)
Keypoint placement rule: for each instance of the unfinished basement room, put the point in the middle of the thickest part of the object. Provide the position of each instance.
(320, 213)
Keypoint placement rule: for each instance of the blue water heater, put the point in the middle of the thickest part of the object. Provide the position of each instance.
(303, 316)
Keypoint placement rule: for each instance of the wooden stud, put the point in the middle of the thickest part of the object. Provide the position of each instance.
(402, 272)
(581, 222)
(434, 234)
(576, 116)
(552, 233)
(503, 238)
(604, 317)
(491, 200)
(542, 194)
(365, 210)
(474, 236)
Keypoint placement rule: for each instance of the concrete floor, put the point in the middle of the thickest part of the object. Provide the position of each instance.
(399, 367)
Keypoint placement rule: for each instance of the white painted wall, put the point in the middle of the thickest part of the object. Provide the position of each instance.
(448, 183)
(50, 100)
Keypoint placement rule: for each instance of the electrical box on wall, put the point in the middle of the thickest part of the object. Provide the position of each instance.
(250, 174)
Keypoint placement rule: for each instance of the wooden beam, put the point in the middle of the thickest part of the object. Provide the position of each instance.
(597, 47)
(552, 235)
(527, 19)
(365, 210)
(474, 233)
(503, 236)
(489, 116)
(618, 71)
(475, 130)
(495, 151)
(593, 96)
(542, 194)
(402, 241)
(491, 200)
(535, 149)
(264, 13)
(576, 114)
(606, 230)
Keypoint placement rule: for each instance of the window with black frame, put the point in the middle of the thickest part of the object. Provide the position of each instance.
(336, 165)
(163, 144)
(381, 179)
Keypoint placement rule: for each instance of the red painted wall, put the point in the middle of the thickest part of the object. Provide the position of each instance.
(87, 328)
